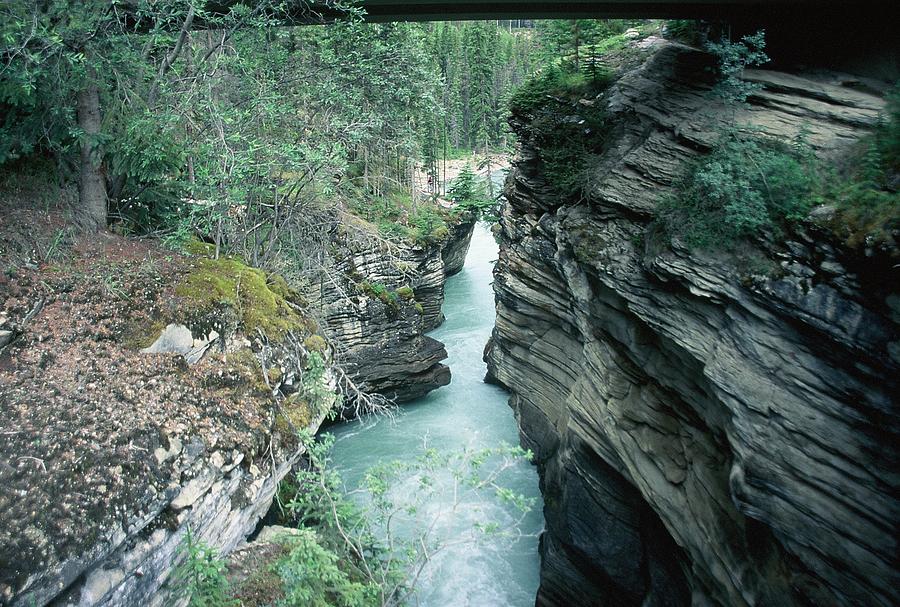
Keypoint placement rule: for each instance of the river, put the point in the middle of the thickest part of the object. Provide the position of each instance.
(467, 413)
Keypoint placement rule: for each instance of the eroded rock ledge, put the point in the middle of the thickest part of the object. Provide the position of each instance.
(382, 300)
(705, 436)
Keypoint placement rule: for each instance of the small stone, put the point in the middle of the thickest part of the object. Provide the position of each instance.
(832, 267)
(5, 337)
(822, 213)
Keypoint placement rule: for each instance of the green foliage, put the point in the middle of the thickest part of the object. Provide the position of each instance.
(384, 536)
(555, 82)
(201, 575)
(398, 217)
(866, 192)
(312, 577)
(470, 197)
(745, 186)
(734, 58)
(572, 42)
(568, 140)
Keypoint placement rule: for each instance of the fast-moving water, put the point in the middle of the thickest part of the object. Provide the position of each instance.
(500, 571)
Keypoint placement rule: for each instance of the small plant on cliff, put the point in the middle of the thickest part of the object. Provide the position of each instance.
(746, 185)
(734, 58)
(201, 575)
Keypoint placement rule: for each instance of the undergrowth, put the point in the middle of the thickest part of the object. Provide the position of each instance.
(422, 222)
(744, 186)
(567, 133)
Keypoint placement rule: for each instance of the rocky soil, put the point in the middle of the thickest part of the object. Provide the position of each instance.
(707, 434)
(109, 453)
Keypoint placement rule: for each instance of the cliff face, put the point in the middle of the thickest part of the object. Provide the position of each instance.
(705, 435)
(139, 402)
(384, 298)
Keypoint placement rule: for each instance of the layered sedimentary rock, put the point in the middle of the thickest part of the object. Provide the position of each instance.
(114, 446)
(454, 251)
(381, 301)
(706, 434)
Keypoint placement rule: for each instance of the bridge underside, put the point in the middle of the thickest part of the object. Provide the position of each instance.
(444, 10)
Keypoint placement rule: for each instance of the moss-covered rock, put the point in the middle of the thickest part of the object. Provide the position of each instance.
(316, 343)
(221, 289)
(295, 414)
(405, 292)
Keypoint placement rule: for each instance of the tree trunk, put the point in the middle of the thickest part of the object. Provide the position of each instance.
(577, 42)
(91, 212)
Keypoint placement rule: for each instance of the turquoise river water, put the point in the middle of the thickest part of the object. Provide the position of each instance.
(497, 571)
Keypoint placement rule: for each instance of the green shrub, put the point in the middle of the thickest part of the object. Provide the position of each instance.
(734, 58)
(554, 81)
(745, 186)
(312, 577)
(568, 141)
(201, 575)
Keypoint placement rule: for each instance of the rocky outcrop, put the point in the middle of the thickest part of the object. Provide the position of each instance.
(110, 453)
(454, 251)
(381, 301)
(707, 434)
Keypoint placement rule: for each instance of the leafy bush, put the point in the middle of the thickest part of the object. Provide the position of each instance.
(312, 577)
(745, 186)
(734, 58)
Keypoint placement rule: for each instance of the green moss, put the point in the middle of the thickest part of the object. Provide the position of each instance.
(419, 308)
(142, 334)
(258, 303)
(405, 292)
(315, 343)
(295, 415)
(199, 248)
(278, 285)
(378, 291)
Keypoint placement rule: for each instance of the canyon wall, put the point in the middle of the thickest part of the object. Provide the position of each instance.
(706, 433)
(382, 299)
